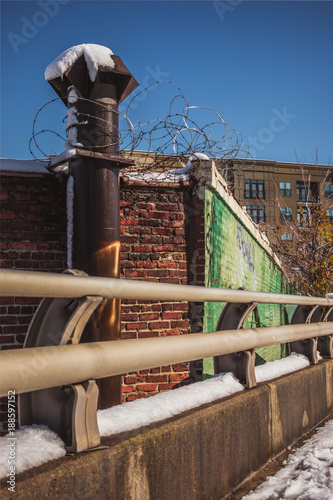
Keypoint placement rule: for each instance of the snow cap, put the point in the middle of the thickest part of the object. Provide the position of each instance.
(198, 156)
(95, 56)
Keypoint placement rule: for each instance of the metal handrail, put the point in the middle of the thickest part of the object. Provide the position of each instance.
(14, 283)
(52, 366)
(57, 384)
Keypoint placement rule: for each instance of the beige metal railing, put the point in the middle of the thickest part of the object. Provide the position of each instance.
(48, 368)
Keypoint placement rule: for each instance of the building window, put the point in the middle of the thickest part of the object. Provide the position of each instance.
(286, 214)
(330, 215)
(328, 190)
(254, 188)
(256, 213)
(307, 192)
(285, 188)
(286, 236)
(302, 217)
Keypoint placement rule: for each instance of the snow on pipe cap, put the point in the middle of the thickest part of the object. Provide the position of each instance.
(86, 65)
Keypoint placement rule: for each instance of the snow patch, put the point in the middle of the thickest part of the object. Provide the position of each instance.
(307, 474)
(34, 445)
(164, 405)
(24, 166)
(274, 369)
(95, 56)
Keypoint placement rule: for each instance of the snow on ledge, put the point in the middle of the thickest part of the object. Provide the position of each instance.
(164, 405)
(32, 446)
(24, 166)
(95, 56)
(280, 367)
(37, 444)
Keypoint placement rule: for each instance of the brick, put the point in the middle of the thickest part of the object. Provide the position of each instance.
(158, 215)
(128, 335)
(27, 300)
(171, 332)
(136, 326)
(147, 334)
(130, 317)
(134, 379)
(171, 315)
(23, 245)
(148, 316)
(180, 367)
(15, 329)
(157, 378)
(7, 339)
(168, 386)
(129, 222)
(158, 325)
(174, 377)
(147, 387)
(135, 273)
(6, 301)
(128, 388)
(14, 310)
(133, 397)
(146, 265)
(7, 215)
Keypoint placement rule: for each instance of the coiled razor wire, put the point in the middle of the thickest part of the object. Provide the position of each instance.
(160, 144)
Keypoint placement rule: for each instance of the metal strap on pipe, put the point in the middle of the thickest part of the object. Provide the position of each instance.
(37, 368)
(37, 284)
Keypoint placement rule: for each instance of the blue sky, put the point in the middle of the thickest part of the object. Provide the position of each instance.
(265, 66)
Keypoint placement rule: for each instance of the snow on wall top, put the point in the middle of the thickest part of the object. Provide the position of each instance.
(95, 55)
(24, 166)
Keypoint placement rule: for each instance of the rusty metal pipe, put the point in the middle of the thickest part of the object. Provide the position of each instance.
(27, 370)
(36, 284)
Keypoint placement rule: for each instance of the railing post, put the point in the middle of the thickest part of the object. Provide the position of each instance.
(70, 411)
(325, 344)
(241, 364)
(306, 314)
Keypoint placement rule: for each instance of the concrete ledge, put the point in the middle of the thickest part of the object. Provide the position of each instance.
(202, 454)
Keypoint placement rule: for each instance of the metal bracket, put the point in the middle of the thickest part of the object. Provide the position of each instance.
(325, 344)
(306, 314)
(70, 411)
(241, 364)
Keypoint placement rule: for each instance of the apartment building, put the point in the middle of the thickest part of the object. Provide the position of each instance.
(274, 192)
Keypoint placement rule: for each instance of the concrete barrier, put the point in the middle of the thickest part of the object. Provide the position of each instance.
(201, 454)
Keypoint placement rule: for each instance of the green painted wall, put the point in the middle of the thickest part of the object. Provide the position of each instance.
(233, 259)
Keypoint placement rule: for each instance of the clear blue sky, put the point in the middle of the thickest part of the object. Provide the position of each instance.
(252, 62)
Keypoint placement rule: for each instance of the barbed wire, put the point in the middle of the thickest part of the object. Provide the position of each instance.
(160, 144)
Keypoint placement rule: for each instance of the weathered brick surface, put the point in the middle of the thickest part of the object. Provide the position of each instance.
(153, 248)
(33, 237)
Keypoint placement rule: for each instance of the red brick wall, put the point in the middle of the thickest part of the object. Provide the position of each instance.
(156, 245)
(33, 237)
(154, 248)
